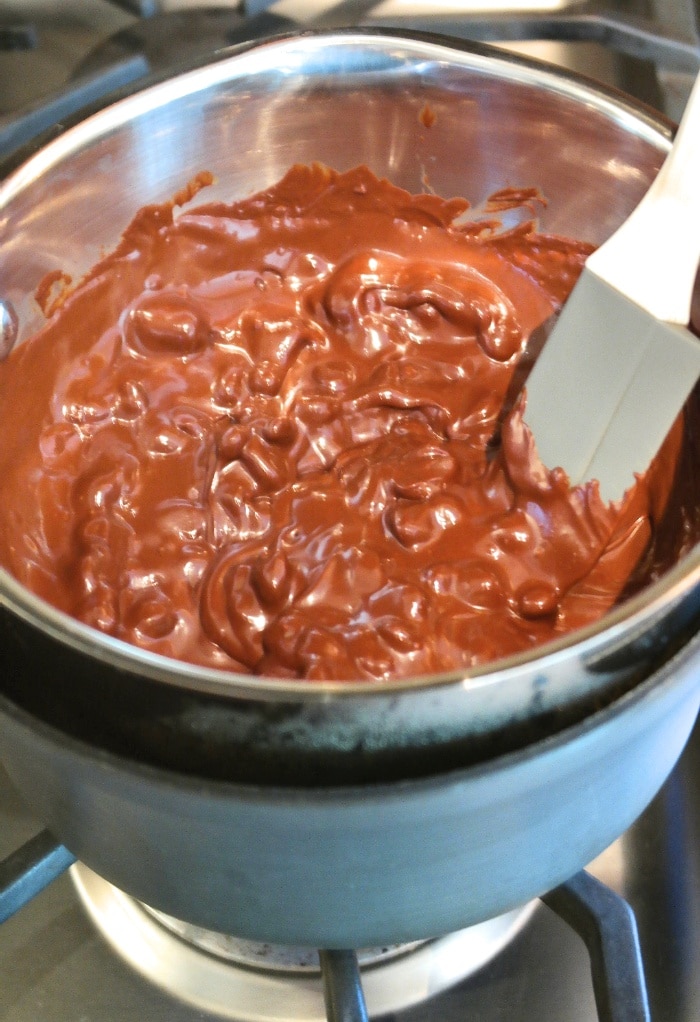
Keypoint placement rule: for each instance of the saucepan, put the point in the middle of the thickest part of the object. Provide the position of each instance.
(329, 814)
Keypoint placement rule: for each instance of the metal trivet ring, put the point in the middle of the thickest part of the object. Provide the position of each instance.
(209, 982)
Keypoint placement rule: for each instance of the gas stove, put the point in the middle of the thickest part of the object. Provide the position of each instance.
(80, 950)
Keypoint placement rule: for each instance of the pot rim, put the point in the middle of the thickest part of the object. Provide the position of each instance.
(667, 677)
(595, 641)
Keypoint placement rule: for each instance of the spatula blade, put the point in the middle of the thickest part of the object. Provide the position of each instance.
(613, 374)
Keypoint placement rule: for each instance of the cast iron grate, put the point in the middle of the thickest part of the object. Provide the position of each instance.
(160, 39)
(601, 918)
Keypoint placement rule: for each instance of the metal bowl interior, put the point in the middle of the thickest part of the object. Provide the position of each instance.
(342, 98)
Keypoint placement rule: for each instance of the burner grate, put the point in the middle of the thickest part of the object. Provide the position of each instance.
(249, 982)
(652, 57)
(602, 918)
(28, 870)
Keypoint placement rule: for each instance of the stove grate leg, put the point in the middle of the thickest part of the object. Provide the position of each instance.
(607, 925)
(30, 869)
(342, 987)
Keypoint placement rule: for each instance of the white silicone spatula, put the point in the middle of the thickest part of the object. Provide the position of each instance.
(619, 363)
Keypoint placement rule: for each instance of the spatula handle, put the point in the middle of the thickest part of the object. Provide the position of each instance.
(653, 257)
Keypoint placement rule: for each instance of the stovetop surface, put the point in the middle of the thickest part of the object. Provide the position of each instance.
(54, 966)
(66, 39)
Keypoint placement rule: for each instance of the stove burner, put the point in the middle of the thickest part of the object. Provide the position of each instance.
(161, 949)
(252, 982)
(271, 957)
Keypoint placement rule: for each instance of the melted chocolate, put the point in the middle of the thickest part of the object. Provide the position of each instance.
(256, 437)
